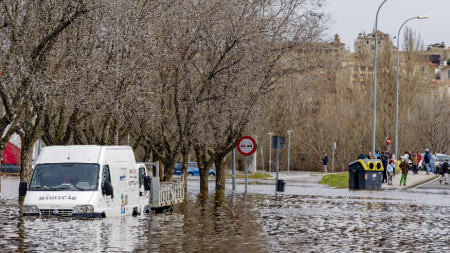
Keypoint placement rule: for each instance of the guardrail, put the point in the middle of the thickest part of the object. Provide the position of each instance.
(170, 194)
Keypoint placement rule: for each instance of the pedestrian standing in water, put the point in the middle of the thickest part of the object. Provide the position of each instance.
(325, 163)
(404, 167)
(390, 170)
(444, 172)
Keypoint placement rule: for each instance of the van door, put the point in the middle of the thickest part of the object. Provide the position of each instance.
(144, 196)
(107, 204)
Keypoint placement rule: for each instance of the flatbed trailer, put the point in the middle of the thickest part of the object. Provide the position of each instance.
(162, 194)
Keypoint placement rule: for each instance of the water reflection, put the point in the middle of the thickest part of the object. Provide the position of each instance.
(300, 220)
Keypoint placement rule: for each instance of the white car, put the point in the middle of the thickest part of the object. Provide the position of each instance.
(440, 158)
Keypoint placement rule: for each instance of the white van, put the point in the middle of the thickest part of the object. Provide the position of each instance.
(86, 181)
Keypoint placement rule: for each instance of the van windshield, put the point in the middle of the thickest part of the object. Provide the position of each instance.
(65, 177)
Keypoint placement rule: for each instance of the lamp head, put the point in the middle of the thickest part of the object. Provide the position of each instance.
(422, 17)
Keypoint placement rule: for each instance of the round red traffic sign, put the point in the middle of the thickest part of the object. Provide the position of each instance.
(246, 145)
(388, 141)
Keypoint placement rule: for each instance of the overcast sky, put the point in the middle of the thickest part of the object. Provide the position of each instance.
(351, 17)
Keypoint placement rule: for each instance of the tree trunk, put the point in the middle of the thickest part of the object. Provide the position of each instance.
(169, 166)
(220, 174)
(184, 168)
(161, 171)
(203, 170)
(26, 169)
(2, 150)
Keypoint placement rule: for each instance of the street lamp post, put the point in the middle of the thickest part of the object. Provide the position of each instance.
(289, 149)
(375, 81)
(396, 91)
(270, 150)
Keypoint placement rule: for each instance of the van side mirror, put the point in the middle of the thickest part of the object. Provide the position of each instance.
(147, 183)
(23, 189)
(107, 189)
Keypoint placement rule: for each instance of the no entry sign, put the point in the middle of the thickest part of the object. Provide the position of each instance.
(388, 141)
(246, 145)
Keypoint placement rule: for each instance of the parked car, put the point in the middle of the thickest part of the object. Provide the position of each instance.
(193, 170)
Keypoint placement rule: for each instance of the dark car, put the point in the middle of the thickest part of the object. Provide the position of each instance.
(193, 170)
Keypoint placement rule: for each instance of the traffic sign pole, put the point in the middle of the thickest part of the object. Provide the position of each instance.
(233, 168)
(246, 146)
(246, 172)
(278, 161)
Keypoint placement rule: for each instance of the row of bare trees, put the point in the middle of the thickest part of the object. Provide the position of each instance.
(166, 77)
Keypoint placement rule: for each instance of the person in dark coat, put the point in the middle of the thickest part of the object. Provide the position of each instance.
(361, 156)
(444, 172)
(325, 163)
(427, 160)
(384, 161)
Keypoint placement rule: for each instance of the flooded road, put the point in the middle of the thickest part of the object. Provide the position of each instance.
(306, 218)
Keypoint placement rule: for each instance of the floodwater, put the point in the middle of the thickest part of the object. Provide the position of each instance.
(306, 218)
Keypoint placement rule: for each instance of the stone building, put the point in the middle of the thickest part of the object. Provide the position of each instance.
(365, 43)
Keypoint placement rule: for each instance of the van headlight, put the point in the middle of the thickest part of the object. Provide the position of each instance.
(83, 209)
(30, 209)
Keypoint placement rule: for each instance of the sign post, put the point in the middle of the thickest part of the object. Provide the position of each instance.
(278, 143)
(233, 168)
(246, 146)
(332, 162)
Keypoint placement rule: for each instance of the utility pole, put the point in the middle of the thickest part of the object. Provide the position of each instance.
(270, 150)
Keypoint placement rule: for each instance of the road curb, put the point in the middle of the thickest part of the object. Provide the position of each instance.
(422, 183)
(427, 182)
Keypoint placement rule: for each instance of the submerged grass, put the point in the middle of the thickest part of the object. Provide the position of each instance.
(339, 180)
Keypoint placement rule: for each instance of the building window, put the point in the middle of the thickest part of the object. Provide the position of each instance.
(362, 76)
(371, 69)
(448, 74)
(367, 42)
(355, 68)
(355, 76)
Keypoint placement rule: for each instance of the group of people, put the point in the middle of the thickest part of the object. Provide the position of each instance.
(388, 161)
(429, 160)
